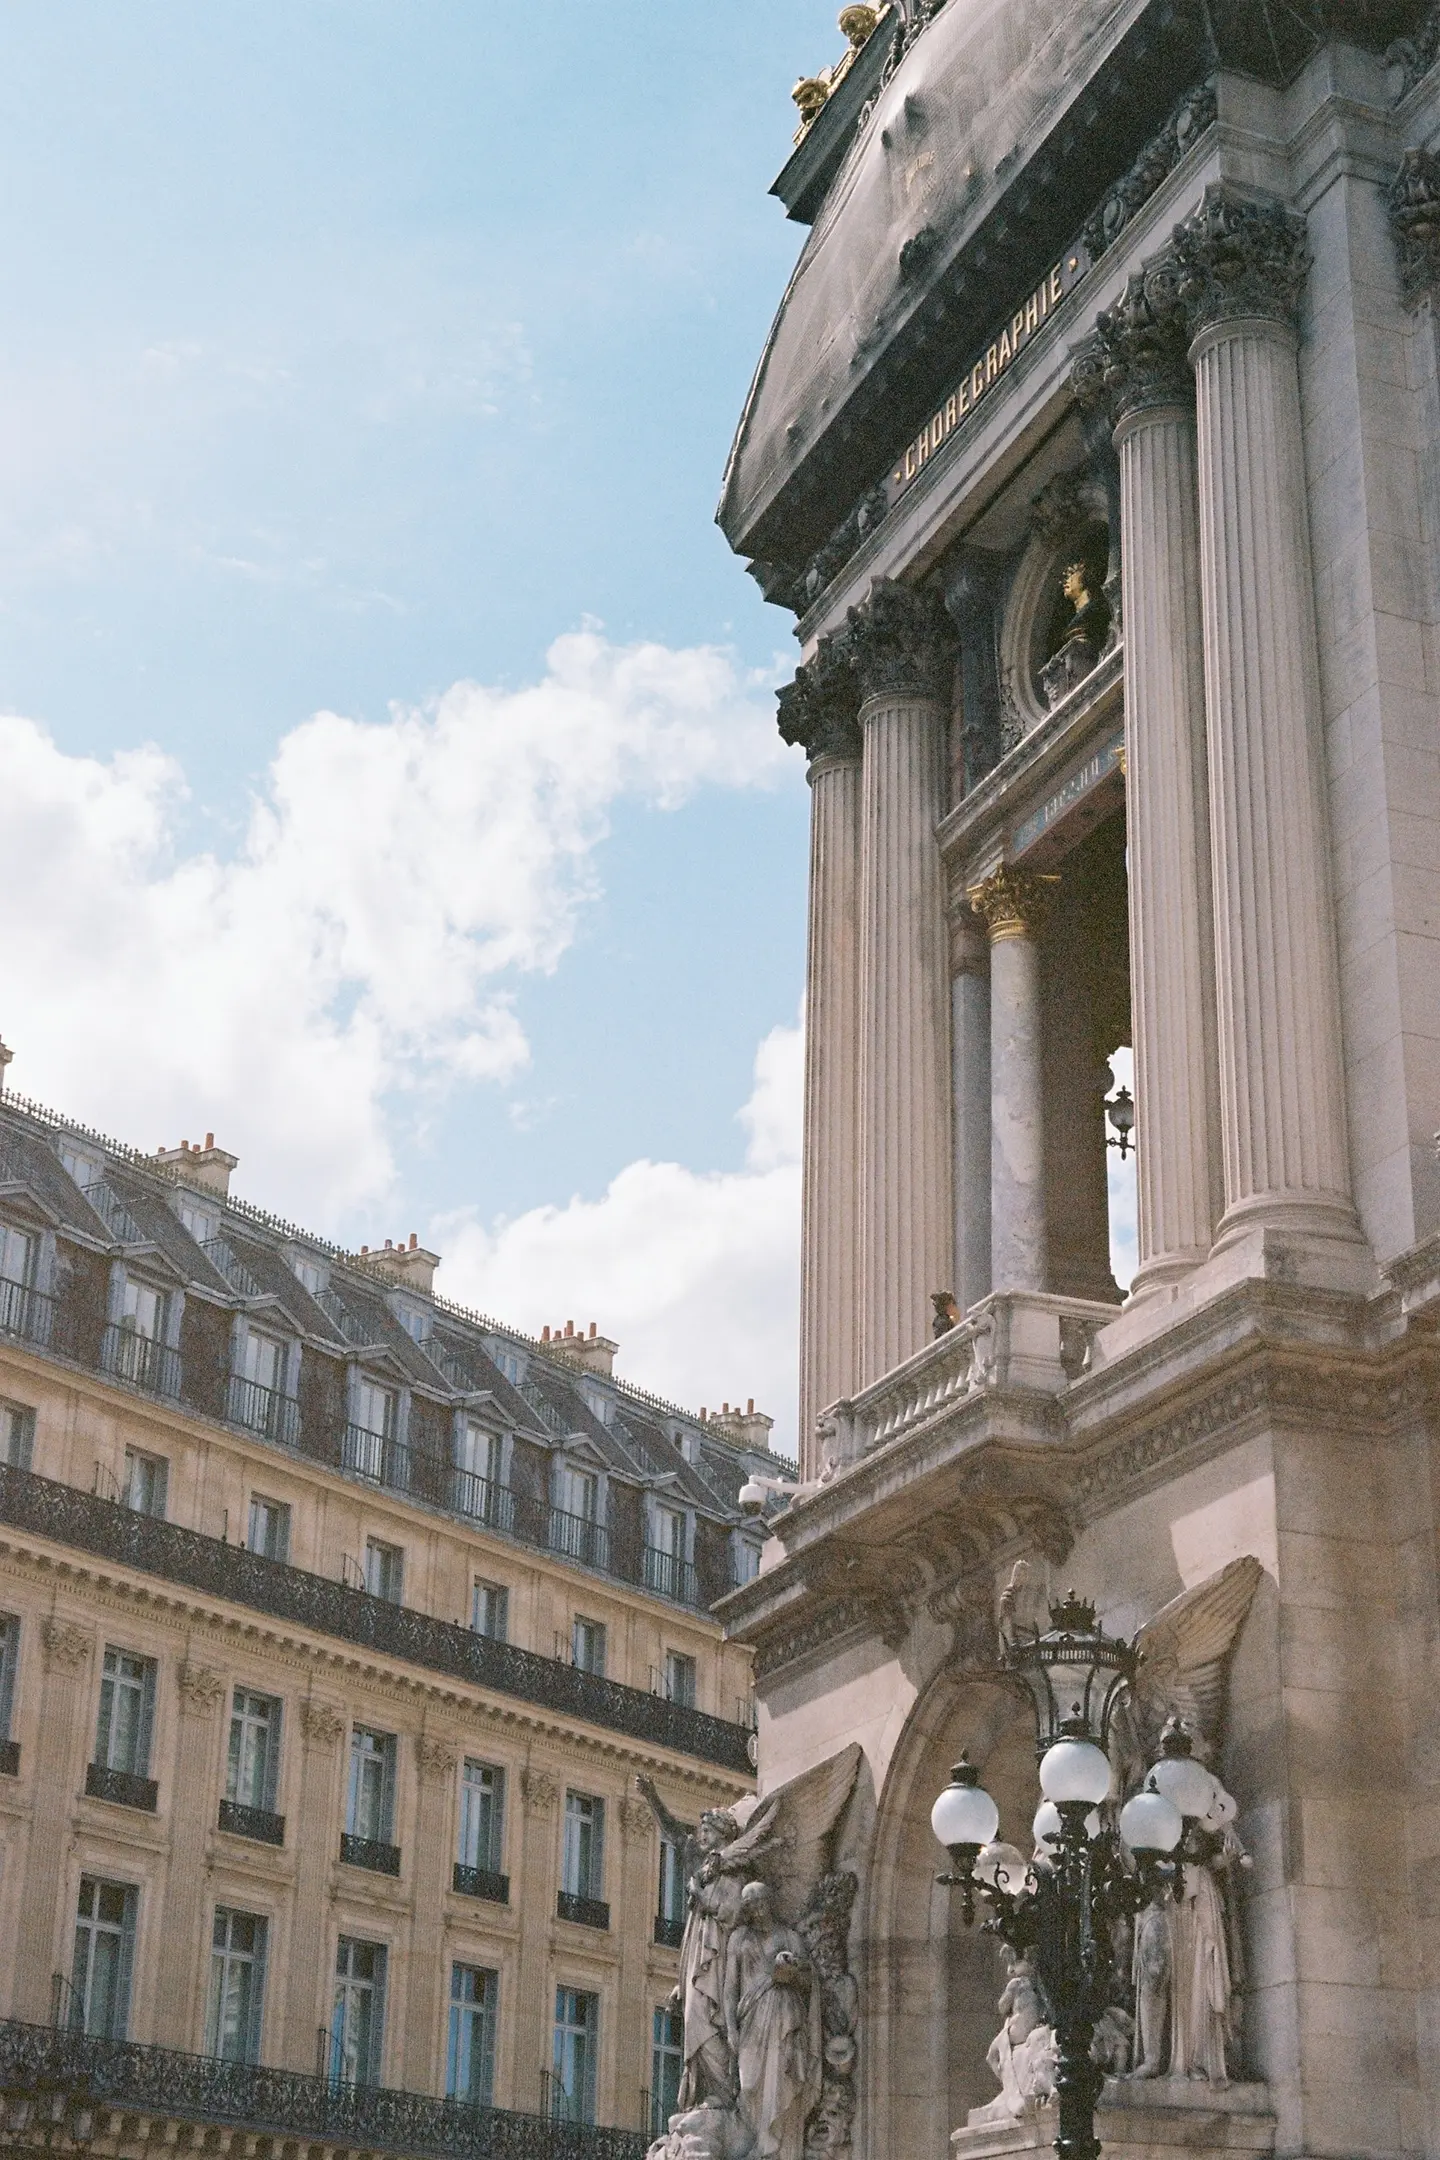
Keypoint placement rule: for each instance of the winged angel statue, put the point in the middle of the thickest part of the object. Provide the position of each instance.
(1183, 1971)
(768, 1999)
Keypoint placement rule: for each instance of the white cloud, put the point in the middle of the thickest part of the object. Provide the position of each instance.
(394, 884)
(696, 1276)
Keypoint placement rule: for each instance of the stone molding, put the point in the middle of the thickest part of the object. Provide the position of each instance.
(201, 1688)
(321, 1722)
(434, 1758)
(66, 1645)
(1413, 201)
(901, 644)
(1195, 112)
(1239, 260)
(539, 1790)
(1411, 58)
(820, 709)
(1012, 903)
(1137, 358)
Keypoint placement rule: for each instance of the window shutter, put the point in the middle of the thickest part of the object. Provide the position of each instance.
(272, 1756)
(377, 2021)
(127, 1966)
(147, 1719)
(257, 1991)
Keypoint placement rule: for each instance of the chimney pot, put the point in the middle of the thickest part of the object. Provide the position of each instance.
(592, 1327)
(545, 1332)
(724, 1409)
(569, 1327)
(749, 1406)
(414, 1241)
(388, 1246)
(364, 1251)
(209, 1139)
(704, 1413)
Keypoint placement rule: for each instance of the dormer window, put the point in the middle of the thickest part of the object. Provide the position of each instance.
(18, 1250)
(84, 1169)
(510, 1362)
(312, 1275)
(598, 1403)
(202, 1223)
(143, 1311)
(415, 1321)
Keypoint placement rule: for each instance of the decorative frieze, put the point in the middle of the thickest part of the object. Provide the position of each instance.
(1012, 903)
(1195, 112)
(901, 643)
(1414, 204)
(1237, 259)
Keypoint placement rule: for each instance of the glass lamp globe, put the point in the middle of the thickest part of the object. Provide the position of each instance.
(1002, 1866)
(1185, 1783)
(1075, 1770)
(964, 1814)
(1151, 1823)
(1047, 1825)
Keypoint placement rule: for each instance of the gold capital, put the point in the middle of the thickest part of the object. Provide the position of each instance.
(1014, 903)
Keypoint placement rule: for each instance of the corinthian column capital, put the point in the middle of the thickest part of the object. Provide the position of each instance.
(1414, 205)
(1012, 903)
(1136, 357)
(901, 643)
(1239, 260)
(821, 708)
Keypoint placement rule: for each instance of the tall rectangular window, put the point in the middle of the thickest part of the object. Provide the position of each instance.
(18, 1249)
(9, 1667)
(680, 1679)
(482, 1453)
(104, 1954)
(474, 2008)
(669, 1532)
(263, 1364)
(378, 1408)
(17, 1434)
(252, 1771)
(127, 1710)
(147, 1482)
(269, 1527)
(582, 1863)
(670, 1902)
(370, 1809)
(143, 1311)
(587, 1645)
(384, 1570)
(491, 1615)
(667, 2062)
(577, 2039)
(579, 1492)
(357, 2023)
(237, 1986)
(482, 1817)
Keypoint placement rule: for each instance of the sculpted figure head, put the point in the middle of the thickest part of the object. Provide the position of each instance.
(1074, 587)
(717, 1827)
(755, 1907)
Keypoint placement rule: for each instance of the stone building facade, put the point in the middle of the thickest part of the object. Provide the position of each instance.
(1096, 447)
(336, 1626)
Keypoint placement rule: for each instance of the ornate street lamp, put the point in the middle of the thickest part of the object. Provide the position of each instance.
(1120, 1109)
(1060, 1909)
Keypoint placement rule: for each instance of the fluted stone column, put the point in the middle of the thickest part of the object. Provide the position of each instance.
(62, 1744)
(1241, 268)
(1135, 373)
(180, 1991)
(903, 653)
(1012, 905)
(820, 709)
(970, 1063)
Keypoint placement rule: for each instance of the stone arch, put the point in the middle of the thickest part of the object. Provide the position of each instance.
(929, 1985)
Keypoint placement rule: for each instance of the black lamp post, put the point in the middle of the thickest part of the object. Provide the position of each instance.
(1060, 1909)
(1120, 1109)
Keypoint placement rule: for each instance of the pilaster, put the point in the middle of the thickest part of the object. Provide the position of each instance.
(68, 1651)
(436, 1763)
(970, 1064)
(180, 1994)
(1012, 904)
(902, 650)
(317, 1841)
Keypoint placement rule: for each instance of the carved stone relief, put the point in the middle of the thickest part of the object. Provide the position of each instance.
(66, 1645)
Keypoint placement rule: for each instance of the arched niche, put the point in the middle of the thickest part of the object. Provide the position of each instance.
(929, 1985)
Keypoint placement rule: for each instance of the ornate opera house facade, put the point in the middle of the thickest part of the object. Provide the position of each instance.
(1096, 448)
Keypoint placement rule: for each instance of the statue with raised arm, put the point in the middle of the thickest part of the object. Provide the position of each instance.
(773, 2021)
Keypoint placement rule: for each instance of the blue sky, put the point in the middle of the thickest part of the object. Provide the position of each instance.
(350, 354)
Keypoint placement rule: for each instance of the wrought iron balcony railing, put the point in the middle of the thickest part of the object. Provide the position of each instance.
(577, 1537)
(485, 1501)
(256, 1823)
(67, 2077)
(226, 1262)
(481, 1882)
(670, 1576)
(141, 1360)
(9, 1758)
(122, 1787)
(591, 1912)
(267, 1411)
(369, 1852)
(85, 1521)
(375, 1457)
(669, 1933)
(31, 1316)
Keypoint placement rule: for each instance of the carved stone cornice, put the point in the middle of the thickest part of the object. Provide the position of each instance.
(901, 643)
(539, 1790)
(322, 1724)
(1137, 357)
(1012, 903)
(201, 1688)
(1414, 204)
(434, 1758)
(66, 1645)
(1196, 111)
(1237, 258)
(820, 709)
